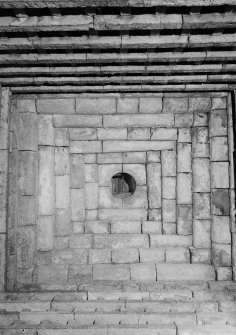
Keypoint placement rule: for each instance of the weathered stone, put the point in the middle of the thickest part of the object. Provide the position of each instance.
(156, 255)
(46, 130)
(51, 274)
(200, 150)
(81, 147)
(202, 234)
(4, 118)
(112, 134)
(95, 106)
(220, 202)
(218, 123)
(164, 134)
(127, 105)
(168, 159)
(201, 175)
(154, 214)
(152, 227)
(169, 188)
(153, 157)
(62, 224)
(124, 146)
(106, 172)
(46, 197)
(82, 134)
(169, 228)
(62, 161)
(184, 135)
(220, 174)
(200, 135)
(141, 120)
(175, 105)
(26, 211)
(62, 184)
(200, 119)
(97, 227)
(45, 233)
(62, 137)
(201, 206)
(43, 257)
(110, 158)
(184, 188)
(70, 256)
(169, 210)
(77, 204)
(125, 256)
(28, 130)
(184, 226)
(201, 256)
(56, 106)
(26, 105)
(221, 230)
(77, 121)
(91, 173)
(219, 149)
(138, 133)
(78, 241)
(99, 256)
(107, 200)
(91, 196)
(170, 241)
(111, 272)
(25, 247)
(90, 158)
(27, 172)
(185, 272)
(184, 157)
(3, 160)
(150, 105)
(91, 214)
(183, 120)
(224, 273)
(199, 104)
(76, 171)
(177, 255)
(78, 227)
(61, 242)
(120, 241)
(221, 254)
(143, 272)
(219, 103)
(154, 185)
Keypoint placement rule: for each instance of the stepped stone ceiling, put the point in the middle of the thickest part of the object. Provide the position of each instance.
(117, 45)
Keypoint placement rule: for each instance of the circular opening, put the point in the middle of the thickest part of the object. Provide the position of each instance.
(123, 185)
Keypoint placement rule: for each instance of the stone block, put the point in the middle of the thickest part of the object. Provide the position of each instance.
(62, 191)
(127, 105)
(154, 185)
(125, 256)
(91, 195)
(184, 188)
(184, 135)
(111, 272)
(154, 214)
(63, 225)
(169, 188)
(219, 149)
(78, 227)
(77, 173)
(4, 128)
(221, 230)
(170, 241)
(151, 227)
(201, 256)
(46, 130)
(26, 211)
(79, 241)
(28, 130)
(62, 161)
(26, 105)
(201, 175)
(3, 160)
(120, 241)
(141, 120)
(183, 120)
(77, 121)
(138, 133)
(70, 256)
(56, 106)
(52, 274)
(168, 159)
(169, 210)
(150, 105)
(143, 272)
(221, 254)
(169, 228)
(77, 204)
(110, 158)
(83, 147)
(220, 174)
(184, 161)
(220, 202)
(78, 273)
(177, 255)
(200, 135)
(219, 103)
(46, 197)
(126, 227)
(27, 172)
(199, 104)
(112, 133)
(95, 106)
(184, 226)
(202, 234)
(97, 227)
(99, 256)
(91, 214)
(224, 273)
(138, 172)
(134, 157)
(200, 119)
(43, 257)
(175, 105)
(218, 123)
(122, 214)
(185, 272)
(200, 150)
(25, 247)
(124, 146)
(61, 137)
(153, 157)
(61, 242)
(164, 134)
(83, 134)
(107, 200)
(90, 158)
(201, 206)
(106, 172)
(155, 255)
(45, 233)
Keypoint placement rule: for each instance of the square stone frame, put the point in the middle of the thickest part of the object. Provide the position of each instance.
(5, 148)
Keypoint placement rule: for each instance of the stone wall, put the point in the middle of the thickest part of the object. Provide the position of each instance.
(65, 226)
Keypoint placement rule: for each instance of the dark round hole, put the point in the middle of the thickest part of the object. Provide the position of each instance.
(123, 185)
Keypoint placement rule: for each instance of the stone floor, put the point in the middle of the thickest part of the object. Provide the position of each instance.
(123, 308)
